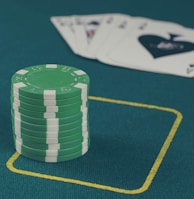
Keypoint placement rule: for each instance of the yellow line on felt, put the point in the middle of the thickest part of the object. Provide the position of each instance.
(152, 172)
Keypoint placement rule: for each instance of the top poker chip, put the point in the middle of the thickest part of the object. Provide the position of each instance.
(50, 81)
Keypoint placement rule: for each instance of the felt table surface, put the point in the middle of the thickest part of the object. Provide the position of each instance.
(141, 123)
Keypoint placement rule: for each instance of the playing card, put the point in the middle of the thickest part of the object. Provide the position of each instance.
(85, 28)
(122, 30)
(158, 47)
(64, 26)
(108, 24)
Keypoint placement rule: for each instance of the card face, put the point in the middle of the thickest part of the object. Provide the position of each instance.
(113, 38)
(108, 24)
(64, 25)
(158, 47)
(122, 30)
(85, 28)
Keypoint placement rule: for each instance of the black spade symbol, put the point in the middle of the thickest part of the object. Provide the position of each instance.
(191, 65)
(93, 23)
(160, 47)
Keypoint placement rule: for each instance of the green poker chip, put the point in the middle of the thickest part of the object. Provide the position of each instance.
(32, 101)
(52, 159)
(51, 134)
(47, 108)
(44, 121)
(70, 138)
(51, 152)
(37, 114)
(56, 128)
(50, 81)
(55, 146)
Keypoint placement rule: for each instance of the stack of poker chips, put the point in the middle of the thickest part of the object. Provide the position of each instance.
(50, 112)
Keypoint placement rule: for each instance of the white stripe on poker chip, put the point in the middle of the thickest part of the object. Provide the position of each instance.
(51, 65)
(84, 97)
(50, 94)
(84, 128)
(53, 153)
(49, 115)
(18, 147)
(16, 102)
(17, 127)
(52, 106)
(84, 149)
(85, 113)
(54, 121)
(19, 139)
(52, 128)
(17, 114)
(16, 97)
(50, 159)
(22, 72)
(51, 135)
(50, 146)
(52, 109)
(49, 102)
(79, 72)
(17, 86)
(51, 140)
(85, 134)
(15, 107)
(53, 147)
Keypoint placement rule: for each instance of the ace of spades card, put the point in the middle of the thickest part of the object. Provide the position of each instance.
(158, 46)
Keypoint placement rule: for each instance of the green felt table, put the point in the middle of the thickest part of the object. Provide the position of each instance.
(141, 123)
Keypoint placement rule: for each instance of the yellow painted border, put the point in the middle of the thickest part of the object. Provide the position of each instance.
(152, 172)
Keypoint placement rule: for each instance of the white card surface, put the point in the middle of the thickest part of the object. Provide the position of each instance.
(85, 28)
(158, 47)
(107, 26)
(121, 31)
(131, 42)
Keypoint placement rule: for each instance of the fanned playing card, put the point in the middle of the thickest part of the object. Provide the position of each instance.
(131, 42)
(110, 21)
(85, 28)
(121, 31)
(158, 47)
